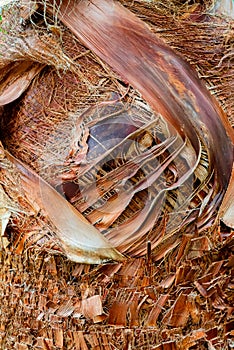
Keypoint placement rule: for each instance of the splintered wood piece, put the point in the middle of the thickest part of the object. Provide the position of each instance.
(134, 309)
(118, 314)
(92, 307)
(168, 281)
(66, 309)
(198, 247)
(156, 310)
(178, 314)
(79, 340)
(58, 338)
(201, 289)
(190, 340)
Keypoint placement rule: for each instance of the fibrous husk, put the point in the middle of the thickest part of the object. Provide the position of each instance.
(132, 304)
(160, 211)
(47, 301)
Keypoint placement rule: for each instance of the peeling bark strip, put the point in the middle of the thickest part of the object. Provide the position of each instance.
(23, 73)
(195, 173)
(168, 84)
(81, 241)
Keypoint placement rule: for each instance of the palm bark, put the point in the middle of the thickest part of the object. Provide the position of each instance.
(177, 295)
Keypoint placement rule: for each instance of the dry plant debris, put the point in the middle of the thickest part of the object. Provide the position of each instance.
(179, 296)
(117, 306)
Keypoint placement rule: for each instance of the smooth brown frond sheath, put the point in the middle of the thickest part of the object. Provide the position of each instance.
(168, 84)
(80, 240)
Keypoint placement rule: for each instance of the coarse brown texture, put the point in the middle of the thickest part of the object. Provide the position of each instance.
(182, 301)
(138, 202)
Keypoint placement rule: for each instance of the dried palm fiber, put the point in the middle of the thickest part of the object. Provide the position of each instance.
(151, 71)
(137, 233)
(48, 302)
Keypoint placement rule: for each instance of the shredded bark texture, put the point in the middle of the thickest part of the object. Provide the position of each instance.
(174, 290)
(181, 303)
